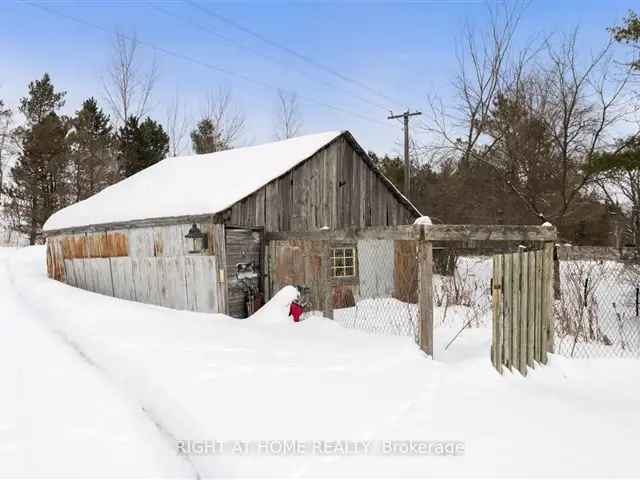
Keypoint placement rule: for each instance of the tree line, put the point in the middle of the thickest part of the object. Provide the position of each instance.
(533, 135)
(52, 160)
(530, 135)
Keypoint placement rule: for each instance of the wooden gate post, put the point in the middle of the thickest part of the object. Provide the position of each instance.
(425, 295)
(327, 293)
(547, 300)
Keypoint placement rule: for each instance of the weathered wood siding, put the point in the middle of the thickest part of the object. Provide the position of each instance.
(302, 262)
(385, 268)
(149, 265)
(335, 188)
(242, 246)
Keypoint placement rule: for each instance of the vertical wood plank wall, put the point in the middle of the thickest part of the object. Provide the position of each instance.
(522, 295)
(335, 188)
(149, 265)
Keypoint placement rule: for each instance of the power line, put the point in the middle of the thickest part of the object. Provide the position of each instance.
(188, 58)
(295, 53)
(262, 55)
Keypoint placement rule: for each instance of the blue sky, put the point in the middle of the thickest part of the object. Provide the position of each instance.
(405, 50)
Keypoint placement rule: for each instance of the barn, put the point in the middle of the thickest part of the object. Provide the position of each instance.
(189, 232)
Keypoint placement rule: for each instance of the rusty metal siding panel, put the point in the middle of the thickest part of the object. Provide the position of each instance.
(95, 245)
(55, 259)
(116, 244)
(74, 246)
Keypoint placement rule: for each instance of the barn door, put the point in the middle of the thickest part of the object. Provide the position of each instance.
(244, 267)
(522, 296)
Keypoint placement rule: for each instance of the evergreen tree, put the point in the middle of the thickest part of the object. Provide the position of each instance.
(92, 164)
(140, 145)
(629, 33)
(39, 176)
(206, 138)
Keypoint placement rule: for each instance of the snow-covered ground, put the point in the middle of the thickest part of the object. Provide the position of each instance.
(93, 385)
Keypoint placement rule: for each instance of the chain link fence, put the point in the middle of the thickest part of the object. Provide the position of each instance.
(384, 290)
(596, 310)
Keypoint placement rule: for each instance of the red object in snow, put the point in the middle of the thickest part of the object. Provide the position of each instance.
(295, 311)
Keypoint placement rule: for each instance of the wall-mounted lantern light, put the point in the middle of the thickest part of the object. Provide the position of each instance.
(199, 239)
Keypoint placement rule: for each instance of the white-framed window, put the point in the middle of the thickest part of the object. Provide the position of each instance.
(343, 262)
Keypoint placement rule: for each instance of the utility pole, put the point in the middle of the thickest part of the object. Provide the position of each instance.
(407, 163)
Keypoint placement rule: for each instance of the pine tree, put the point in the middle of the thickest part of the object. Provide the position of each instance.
(206, 138)
(629, 33)
(39, 177)
(92, 159)
(140, 145)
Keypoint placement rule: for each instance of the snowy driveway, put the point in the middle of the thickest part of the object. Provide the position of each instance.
(103, 386)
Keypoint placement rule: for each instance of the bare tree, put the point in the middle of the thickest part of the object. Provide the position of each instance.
(177, 125)
(220, 125)
(482, 62)
(288, 117)
(536, 117)
(5, 136)
(128, 82)
(227, 116)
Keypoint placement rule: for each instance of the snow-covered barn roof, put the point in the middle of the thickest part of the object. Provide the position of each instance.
(193, 185)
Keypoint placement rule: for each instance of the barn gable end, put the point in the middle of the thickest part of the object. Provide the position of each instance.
(337, 187)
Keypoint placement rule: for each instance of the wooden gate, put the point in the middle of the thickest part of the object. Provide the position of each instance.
(522, 301)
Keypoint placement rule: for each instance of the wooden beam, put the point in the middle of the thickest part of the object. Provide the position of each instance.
(425, 296)
(547, 300)
(431, 233)
(489, 233)
(400, 232)
(139, 223)
(498, 317)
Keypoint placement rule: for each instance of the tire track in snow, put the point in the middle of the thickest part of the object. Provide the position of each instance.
(148, 412)
(424, 397)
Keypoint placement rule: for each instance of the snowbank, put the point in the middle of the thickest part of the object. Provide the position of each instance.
(141, 377)
(276, 310)
(191, 185)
